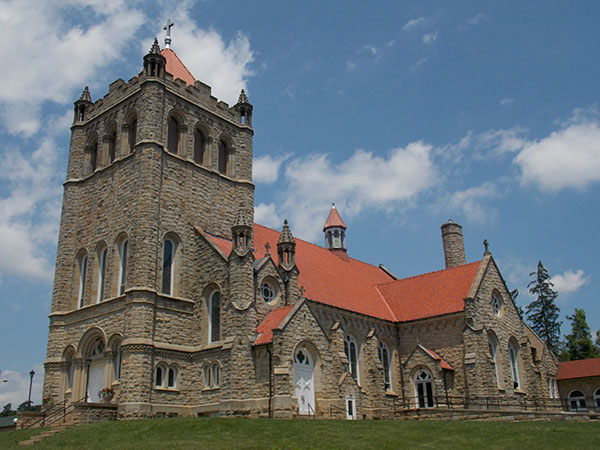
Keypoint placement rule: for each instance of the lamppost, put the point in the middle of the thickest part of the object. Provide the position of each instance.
(31, 374)
(87, 377)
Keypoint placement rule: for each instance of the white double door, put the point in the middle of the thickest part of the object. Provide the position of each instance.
(304, 382)
(95, 381)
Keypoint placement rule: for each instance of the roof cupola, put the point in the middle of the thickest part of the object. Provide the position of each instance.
(335, 230)
(286, 248)
(154, 62)
(82, 105)
(244, 108)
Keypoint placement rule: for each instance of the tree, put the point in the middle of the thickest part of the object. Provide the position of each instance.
(7, 410)
(542, 313)
(579, 344)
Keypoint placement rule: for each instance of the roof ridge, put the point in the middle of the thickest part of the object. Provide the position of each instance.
(430, 273)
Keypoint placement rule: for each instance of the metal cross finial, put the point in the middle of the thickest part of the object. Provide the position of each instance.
(167, 27)
(267, 248)
(486, 245)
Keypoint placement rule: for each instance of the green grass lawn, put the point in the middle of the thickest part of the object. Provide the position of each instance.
(328, 434)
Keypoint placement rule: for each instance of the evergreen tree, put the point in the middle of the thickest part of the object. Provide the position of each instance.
(579, 344)
(7, 410)
(542, 313)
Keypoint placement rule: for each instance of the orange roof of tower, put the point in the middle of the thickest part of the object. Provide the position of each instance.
(334, 219)
(176, 67)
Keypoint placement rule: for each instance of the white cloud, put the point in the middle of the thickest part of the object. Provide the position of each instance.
(266, 215)
(568, 158)
(569, 282)
(430, 38)
(265, 169)
(501, 141)
(507, 101)
(472, 21)
(370, 48)
(225, 66)
(16, 388)
(362, 181)
(473, 202)
(413, 23)
(49, 57)
(418, 66)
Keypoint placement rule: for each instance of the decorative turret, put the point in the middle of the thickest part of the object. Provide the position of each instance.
(241, 231)
(286, 248)
(335, 230)
(154, 62)
(82, 105)
(244, 108)
(454, 247)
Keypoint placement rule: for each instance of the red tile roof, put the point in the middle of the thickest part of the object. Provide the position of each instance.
(334, 219)
(442, 361)
(176, 67)
(579, 369)
(272, 321)
(366, 289)
(431, 294)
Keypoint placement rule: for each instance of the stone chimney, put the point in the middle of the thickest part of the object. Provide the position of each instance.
(454, 247)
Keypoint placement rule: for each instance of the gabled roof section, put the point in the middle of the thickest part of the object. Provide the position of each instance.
(176, 67)
(437, 357)
(431, 294)
(272, 321)
(334, 219)
(582, 368)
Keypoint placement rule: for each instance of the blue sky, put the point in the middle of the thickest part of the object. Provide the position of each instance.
(404, 113)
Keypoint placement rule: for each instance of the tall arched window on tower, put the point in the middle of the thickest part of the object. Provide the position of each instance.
(168, 267)
(112, 145)
(198, 146)
(223, 157)
(82, 265)
(384, 359)
(214, 316)
(94, 156)
(132, 134)
(122, 266)
(173, 135)
(101, 272)
(513, 353)
(351, 351)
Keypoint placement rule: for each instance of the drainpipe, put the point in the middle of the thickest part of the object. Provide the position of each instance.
(400, 366)
(270, 382)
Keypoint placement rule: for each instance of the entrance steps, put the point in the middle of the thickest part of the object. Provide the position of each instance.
(50, 432)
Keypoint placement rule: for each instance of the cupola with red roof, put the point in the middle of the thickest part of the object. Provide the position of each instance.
(335, 230)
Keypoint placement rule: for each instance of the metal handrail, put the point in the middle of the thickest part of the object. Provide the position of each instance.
(54, 414)
(332, 406)
(310, 408)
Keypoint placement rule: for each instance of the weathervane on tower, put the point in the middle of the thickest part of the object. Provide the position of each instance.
(167, 27)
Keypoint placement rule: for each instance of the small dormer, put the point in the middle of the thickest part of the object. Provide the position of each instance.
(335, 230)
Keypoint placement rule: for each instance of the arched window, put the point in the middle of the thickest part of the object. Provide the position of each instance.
(215, 374)
(223, 157)
(82, 272)
(493, 347)
(159, 378)
(577, 401)
(172, 377)
(168, 268)
(384, 359)
(198, 147)
(596, 397)
(513, 353)
(424, 389)
(94, 156)
(117, 360)
(351, 351)
(207, 377)
(101, 272)
(122, 266)
(69, 369)
(173, 135)
(496, 303)
(112, 146)
(132, 135)
(214, 317)
(552, 388)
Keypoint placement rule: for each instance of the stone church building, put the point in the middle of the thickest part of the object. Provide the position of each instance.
(168, 295)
